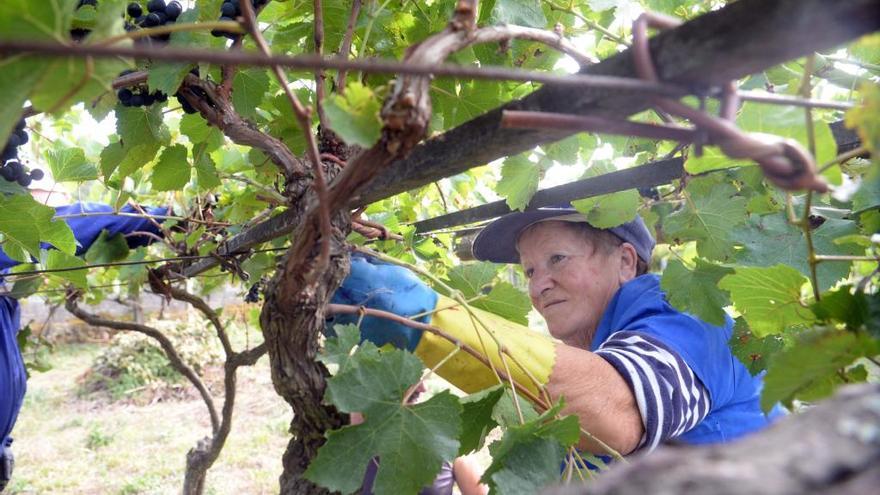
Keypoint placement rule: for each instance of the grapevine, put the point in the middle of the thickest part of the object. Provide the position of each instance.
(309, 129)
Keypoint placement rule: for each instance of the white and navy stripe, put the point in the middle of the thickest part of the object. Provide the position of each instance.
(671, 399)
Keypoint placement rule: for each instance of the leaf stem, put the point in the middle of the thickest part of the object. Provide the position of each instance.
(303, 116)
(844, 157)
(590, 23)
(806, 90)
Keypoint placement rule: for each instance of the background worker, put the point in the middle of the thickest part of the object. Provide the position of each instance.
(13, 377)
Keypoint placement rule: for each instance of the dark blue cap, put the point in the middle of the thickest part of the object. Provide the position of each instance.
(497, 241)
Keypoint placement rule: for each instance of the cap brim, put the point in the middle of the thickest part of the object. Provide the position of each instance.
(497, 241)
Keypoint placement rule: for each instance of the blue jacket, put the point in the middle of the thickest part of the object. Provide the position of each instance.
(640, 306)
(86, 230)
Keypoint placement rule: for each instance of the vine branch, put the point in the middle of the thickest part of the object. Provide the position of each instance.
(345, 48)
(303, 116)
(164, 342)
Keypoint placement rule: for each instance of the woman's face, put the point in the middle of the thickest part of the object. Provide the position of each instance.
(571, 281)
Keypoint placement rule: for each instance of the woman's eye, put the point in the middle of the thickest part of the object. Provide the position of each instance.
(556, 258)
(529, 272)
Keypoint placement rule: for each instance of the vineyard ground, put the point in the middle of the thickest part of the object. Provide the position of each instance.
(71, 445)
(67, 443)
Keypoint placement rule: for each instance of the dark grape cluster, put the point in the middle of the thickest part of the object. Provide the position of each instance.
(253, 294)
(184, 104)
(229, 10)
(11, 169)
(158, 13)
(140, 95)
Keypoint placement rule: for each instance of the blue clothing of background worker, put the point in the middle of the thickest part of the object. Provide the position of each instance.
(86, 229)
(636, 371)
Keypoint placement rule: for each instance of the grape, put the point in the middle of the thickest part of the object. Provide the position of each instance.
(14, 140)
(16, 168)
(136, 101)
(36, 174)
(20, 125)
(253, 294)
(148, 99)
(124, 95)
(173, 10)
(22, 136)
(93, 3)
(134, 10)
(160, 96)
(7, 173)
(24, 180)
(228, 10)
(156, 6)
(150, 21)
(9, 153)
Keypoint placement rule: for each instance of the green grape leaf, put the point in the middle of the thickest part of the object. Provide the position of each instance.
(854, 308)
(56, 260)
(528, 467)
(507, 414)
(708, 217)
(20, 74)
(770, 240)
(814, 358)
(696, 291)
(412, 441)
(355, 116)
(712, 159)
(867, 49)
(111, 156)
(471, 279)
(173, 171)
(25, 223)
(141, 125)
(107, 248)
(197, 130)
(865, 118)
(521, 12)
(476, 418)
(609, 210)
(337, 350)
(168, 76)
(519, 181)
(768, 298)
(506, 301)
(206, 171)
(788, 121)
(49, 20)
(868, 195)
(564, 151)
(248, 89)
(753, 352)
(528, 456)
(24, 287)
(70, 165)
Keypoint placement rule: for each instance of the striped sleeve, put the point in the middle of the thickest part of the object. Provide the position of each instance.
(671, 399)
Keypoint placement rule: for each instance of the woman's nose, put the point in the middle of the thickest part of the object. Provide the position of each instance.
(540, 282)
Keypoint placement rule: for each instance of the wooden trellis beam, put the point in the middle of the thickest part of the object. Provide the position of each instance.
(648, 175)
(742, 38)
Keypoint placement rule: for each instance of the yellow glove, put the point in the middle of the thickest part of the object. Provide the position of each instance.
(531, 355)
